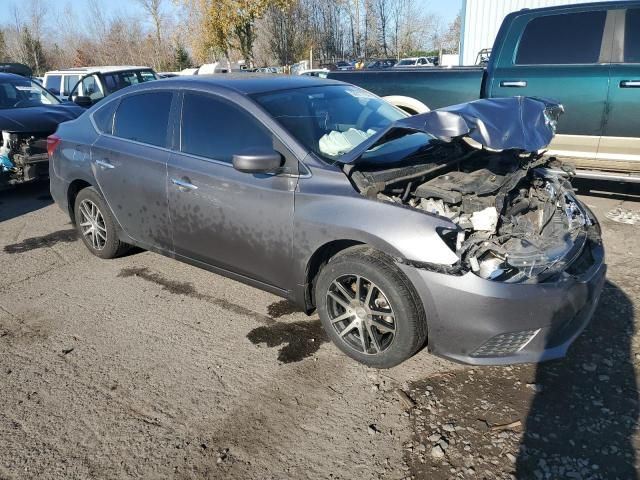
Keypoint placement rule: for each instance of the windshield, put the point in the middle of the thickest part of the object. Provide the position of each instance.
(330, 120)
(22, 93)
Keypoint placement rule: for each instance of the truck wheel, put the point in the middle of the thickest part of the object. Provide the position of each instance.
(408, 104)
(96, 225)
(369, 308)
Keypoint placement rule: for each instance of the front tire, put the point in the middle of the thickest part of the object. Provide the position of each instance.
(369, 308)
(96, 225)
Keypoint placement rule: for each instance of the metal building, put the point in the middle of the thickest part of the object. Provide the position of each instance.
(481, 20)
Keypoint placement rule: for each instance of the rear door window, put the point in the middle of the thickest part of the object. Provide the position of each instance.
(570, 38)
(144, 118)
(632, 36)
(52, 83)
(216, 129)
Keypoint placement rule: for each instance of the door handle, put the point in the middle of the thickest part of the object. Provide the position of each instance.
(184, 184)
(104, 164)
(513, 83)
(630, 84)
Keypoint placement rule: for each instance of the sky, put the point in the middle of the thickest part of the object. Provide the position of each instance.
(447, 9)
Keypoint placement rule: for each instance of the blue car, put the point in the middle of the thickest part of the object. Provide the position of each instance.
(29, 113)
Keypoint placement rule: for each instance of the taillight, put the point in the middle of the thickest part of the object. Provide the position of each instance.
(52, 143)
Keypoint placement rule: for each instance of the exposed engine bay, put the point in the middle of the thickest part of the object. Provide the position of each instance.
(23, 157)
(512, 221)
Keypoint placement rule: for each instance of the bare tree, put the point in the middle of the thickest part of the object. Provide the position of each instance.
(153, 8)
(382, 9)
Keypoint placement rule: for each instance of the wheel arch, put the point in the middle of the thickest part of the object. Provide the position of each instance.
(72, 192)
(318, 259)
(408, 104)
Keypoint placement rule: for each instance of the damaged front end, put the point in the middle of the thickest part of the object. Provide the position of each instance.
(511, 220)
(23, 157)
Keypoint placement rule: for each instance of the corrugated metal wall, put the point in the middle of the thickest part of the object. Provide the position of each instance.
(481, 20)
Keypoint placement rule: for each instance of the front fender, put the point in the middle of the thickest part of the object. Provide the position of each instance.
(399, 231)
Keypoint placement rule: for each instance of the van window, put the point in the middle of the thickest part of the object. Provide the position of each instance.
(216, 129)
(144, 118)
(570, 38)
(68, 83)
(117, 80)
(632, 36)
(52, 83)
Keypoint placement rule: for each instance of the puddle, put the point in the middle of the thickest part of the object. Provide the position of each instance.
(300, 339)
(45, 241)
(188, 290)
(281, 308)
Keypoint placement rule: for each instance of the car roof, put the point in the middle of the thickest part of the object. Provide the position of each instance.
(580, 6)
(101, 69)
(12, 76)
(244, 83)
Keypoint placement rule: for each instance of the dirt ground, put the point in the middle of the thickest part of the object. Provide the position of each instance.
(146, 367)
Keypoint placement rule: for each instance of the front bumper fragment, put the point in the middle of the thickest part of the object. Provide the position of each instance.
(482, 322)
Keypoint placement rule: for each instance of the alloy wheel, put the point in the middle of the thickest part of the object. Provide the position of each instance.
(92, 224)
(361, 314)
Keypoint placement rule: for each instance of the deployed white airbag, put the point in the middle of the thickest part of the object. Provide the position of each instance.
(337, 143)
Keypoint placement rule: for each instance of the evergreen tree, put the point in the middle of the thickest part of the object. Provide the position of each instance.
(181, 58)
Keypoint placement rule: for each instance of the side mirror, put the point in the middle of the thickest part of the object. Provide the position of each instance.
(83, 101)
(259, 161)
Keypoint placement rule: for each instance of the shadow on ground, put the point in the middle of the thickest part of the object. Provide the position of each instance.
(21, 199)
(582, 420)
(607, 189)
(572, 418)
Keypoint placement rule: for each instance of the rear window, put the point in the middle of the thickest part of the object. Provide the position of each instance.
(632, 37)
(52, 83)
(144, 118)
(570, 38)
(103, 117)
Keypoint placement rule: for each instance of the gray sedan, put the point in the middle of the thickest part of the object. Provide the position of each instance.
(444, 230)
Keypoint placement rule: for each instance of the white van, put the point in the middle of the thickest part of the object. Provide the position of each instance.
(88, 85)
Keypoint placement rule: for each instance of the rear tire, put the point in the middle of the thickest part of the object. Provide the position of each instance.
(381, 325)
(96, 225)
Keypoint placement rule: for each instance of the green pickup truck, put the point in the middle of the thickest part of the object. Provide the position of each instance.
(585, 56)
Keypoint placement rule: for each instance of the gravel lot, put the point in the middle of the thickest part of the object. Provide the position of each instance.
(146, 367)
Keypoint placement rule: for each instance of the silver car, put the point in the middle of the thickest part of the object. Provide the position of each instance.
(446, 230)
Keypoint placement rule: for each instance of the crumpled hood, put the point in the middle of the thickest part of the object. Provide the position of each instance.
(514, 123)
(45, 118)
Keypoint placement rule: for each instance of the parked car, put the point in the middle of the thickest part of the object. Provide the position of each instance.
(268, 70)
(402, 232)
(414, 62)
(591, 64)
(315, 72)
(380, 64)
(16, 68)
(28, 115)
(344, 65)
(95, 83)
